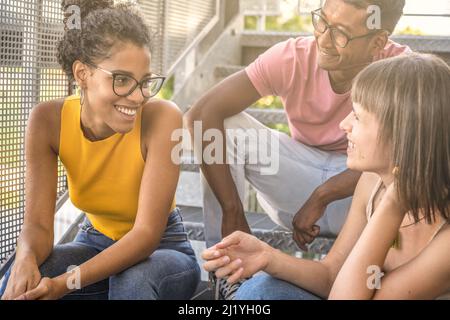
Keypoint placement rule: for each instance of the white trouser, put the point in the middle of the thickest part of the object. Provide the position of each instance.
(301, 169)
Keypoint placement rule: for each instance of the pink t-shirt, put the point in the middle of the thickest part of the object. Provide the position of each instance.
(290, 70)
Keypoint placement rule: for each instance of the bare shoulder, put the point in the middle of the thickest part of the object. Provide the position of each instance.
(441, 243)
(49, 110)
(158, 113)
(45, 121)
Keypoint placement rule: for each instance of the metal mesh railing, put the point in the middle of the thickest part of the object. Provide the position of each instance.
(29, 74)
(175, 24)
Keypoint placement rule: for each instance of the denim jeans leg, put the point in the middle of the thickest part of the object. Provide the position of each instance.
(5, 281)
(266, 287)
(74, 254)
(62, 257)
(171, 272)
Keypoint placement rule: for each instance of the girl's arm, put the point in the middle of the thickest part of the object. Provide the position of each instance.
(314, 276)
(158, 186)
(424, 277)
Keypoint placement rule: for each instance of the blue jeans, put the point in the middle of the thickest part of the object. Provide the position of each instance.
(171, 271)
(266, 287)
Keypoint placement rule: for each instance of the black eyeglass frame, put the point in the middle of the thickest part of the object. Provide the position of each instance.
(137, 83)
(330, 27)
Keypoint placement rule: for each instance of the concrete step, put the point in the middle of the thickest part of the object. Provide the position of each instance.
(268, 116)
(254, 43)
(258, 39)
(436, 44)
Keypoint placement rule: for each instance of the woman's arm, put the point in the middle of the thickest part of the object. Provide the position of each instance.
(35, 242)
(426, 276)
(367, 258)
(314, 276)
(156, 195)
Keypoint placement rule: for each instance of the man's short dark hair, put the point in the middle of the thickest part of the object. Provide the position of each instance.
(391, 10)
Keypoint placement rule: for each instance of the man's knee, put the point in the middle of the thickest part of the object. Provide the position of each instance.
(237, 121)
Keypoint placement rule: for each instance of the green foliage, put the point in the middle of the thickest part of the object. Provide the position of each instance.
(280, 127)
(272, 102)
(250, 22)
(295, 24)
(166, 92)
(269, 102)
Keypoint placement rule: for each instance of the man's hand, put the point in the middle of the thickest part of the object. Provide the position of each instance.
(234, 221)
(337, 187)
(304, 225)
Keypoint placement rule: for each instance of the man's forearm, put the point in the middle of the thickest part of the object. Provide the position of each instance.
(217, 175)
(230, 97)
(339, 186)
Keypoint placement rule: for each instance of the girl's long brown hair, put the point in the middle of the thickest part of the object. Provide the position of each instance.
(410, 97)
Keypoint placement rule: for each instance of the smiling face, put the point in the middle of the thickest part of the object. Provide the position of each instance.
(106, 112)
(353, 22)
(365, 151)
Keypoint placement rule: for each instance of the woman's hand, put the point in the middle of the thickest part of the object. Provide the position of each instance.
(238, 256)
(25, 276)
(47, 289)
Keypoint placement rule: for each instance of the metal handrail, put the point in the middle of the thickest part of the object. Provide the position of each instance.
(426, 15)
(206, 30)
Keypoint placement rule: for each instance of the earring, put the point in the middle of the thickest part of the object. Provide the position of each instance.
(395, 171)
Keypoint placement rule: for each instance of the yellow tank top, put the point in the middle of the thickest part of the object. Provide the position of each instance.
(103, 176)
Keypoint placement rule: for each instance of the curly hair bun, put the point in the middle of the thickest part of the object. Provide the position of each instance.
(87, 6)
(103, 25)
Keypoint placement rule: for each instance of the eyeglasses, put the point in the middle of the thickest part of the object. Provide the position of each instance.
(339, 37)
(124, 85)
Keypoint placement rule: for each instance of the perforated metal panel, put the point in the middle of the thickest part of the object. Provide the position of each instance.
(185, 20)
(29, 74)
(176, 23)
(153, 12)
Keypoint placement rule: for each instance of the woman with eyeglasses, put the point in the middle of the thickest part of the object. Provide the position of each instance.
(115, 144)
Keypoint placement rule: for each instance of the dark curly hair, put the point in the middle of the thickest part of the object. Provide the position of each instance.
(103, 24)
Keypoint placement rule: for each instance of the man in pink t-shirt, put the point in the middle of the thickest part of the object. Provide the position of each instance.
(311, 191)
